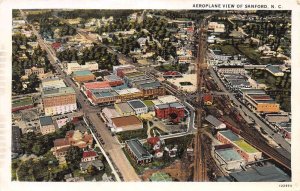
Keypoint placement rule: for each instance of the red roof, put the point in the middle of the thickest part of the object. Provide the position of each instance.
(56, 45)
(153, 140)
(169, 73)
(86, 154)
(207, 97)
(190, 29)
(97, 85)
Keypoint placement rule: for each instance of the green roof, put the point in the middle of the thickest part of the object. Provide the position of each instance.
(82, 73)
(245, 146)
(22, 102)
(160, 177)
(58, 92)
(148, 103)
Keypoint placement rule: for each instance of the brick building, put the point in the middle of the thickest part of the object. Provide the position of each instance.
(59, 101)
(172, 111)
(83, 76)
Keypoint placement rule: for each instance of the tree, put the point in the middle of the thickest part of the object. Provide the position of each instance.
(73, 157)
(92, 170)
(33, 82)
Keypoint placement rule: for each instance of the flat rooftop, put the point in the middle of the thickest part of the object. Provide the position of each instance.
(136, 104)
(96, 85)
(150, 85)
(46, 121)
(126, 121)
(245, 146)
(128, 91)
(112, 78)
(124, 107)
(229, 154)
(103, 93)
(148, 103)
(82, 73)
(230, 135)
(269, 173)
(58, 92)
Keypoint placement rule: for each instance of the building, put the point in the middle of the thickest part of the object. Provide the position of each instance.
(216, 27)
(62, 121)
(274, 70)
(248, 152)
(258, 100)
(227, 137)
(110, 113)
(268, 173)
(46, 125)
(278, 118)
(232, 70)
(87, 87)
(138, 106)
(151, 89)
(52, 83)
(129, 94)
(34, 70)
(262, 103)
(16, 148)
(59, 101)
(22, 103)
(126, 123)
(172, 74)
(74, 66)
(215, 122)
(72, 138)
(119, 70)
(207, 99)
(98, 164)
(124, 109)
(88, 156)
(285, 129)
(113, 80)
(171, 111)
(83, 76)
(228, 157)
(101, 96)
(138, 152)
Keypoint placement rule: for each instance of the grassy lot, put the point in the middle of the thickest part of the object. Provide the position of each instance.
(140, 134)
(250, 52)
(226, 49)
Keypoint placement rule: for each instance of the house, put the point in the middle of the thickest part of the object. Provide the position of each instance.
(207, 99)
(88, 156)
(138, 106)
(34, 70)
(138, 152)
(96, 163)
(46, 125)
(72, 138)
(126, 123)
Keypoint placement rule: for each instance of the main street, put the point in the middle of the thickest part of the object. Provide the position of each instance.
(243, 109)
(114, 150)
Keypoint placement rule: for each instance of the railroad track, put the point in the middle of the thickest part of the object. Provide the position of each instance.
(265, 148)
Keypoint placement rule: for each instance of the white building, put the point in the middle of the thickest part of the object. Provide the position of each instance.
(74, 66)
(138, 106)
(216, 27)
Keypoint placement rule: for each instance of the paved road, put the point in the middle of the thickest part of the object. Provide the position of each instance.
(277, 138)
(113, 147)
